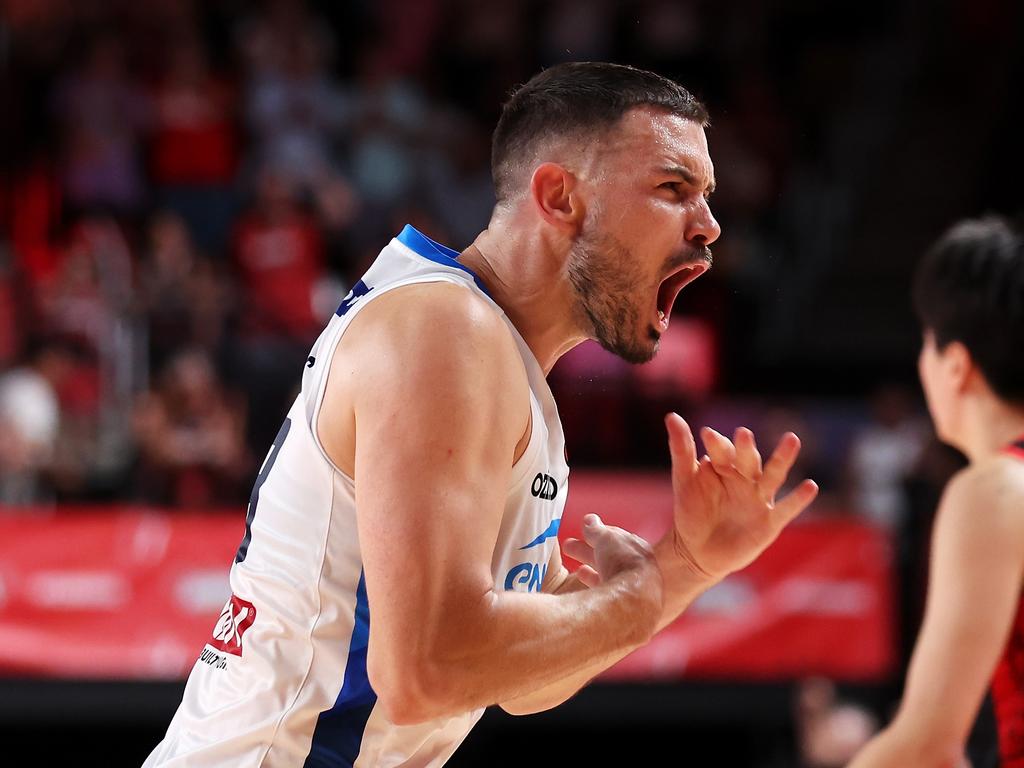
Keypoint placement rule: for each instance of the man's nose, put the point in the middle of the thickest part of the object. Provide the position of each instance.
(702, 227)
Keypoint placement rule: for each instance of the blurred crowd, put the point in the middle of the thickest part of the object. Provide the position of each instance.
(190, 188)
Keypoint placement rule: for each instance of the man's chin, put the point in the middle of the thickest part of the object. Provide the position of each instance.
(635, 352)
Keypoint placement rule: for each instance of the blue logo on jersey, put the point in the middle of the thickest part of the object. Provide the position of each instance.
(549, 533)
(528, 577)
(359, 290)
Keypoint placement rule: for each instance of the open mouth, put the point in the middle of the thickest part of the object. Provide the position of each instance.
(673, 284)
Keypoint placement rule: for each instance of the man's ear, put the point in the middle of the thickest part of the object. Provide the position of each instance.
(555, 196)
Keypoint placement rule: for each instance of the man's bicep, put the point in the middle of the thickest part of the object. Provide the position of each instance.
(436, 427)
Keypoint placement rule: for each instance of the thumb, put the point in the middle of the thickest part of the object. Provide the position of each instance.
(593, 529)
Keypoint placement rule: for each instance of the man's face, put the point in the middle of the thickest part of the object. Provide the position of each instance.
(646, 232)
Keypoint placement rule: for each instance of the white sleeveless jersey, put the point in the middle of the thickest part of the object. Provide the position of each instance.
(282, 680)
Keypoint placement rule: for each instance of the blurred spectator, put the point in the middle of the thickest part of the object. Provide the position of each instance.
(458, 180)
(30, 417)
(577, 30)
(102, 112)
(278, 260)
(194, 151)
(390, 128)
(189, 431)
(278, 257)
(90, 285)
(33, 207)
(883, 455)
(829, 731)
(489, 46)
(293, 107)
(812, 461)
(265, 40)
(86, 294)
(408, 46)
(11, 312)
(185, 297)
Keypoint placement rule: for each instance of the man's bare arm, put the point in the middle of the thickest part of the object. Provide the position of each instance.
(438, 412)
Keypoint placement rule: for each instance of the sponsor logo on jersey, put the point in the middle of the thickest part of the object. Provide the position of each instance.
(549, 533)
(237, 616)
(544, 487)
(214, 660)
(526, 577)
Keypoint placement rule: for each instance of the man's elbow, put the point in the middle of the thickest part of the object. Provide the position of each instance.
(402, 709)
(519, 709)
(531, 705)
(409, 694)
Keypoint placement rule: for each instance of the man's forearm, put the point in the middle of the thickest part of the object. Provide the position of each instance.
(681, 588)
(513, 643)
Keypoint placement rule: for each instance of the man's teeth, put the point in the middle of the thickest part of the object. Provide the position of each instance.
(661, 315)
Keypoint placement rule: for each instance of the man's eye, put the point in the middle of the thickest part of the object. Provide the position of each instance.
(673, 185)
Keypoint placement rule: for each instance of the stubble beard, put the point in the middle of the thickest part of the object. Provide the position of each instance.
(600, 274)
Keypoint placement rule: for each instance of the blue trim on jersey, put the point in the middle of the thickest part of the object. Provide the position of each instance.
(338, 736)
(415, 240)
(550, 532)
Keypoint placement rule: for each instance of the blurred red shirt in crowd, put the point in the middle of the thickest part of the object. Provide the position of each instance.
(278, 255)
(194, 139)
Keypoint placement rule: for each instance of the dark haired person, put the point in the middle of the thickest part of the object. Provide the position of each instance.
(400, 569)
(969, 295)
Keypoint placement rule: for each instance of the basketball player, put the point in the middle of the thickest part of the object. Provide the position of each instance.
(400, 569)
(969, 293)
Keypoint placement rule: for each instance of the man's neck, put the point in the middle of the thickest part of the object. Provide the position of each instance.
(530, 284)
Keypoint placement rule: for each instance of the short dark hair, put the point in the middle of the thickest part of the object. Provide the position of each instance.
(969, 287)
(578, 99)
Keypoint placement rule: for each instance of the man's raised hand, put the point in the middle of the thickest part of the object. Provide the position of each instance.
(725, 511)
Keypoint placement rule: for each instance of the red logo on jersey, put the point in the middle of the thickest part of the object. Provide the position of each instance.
(237, 616)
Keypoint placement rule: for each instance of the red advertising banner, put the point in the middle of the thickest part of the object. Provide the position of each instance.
(132, 593)
(819, 601)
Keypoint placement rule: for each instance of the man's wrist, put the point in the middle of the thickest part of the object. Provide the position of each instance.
(682, 577)
(639, 599)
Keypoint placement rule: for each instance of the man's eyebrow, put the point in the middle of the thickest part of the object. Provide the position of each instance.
(688, 176)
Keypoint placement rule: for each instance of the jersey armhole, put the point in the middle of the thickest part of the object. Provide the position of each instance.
(521, 468)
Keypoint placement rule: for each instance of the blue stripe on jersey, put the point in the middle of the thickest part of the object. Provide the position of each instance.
(339, 730)
(415, 240)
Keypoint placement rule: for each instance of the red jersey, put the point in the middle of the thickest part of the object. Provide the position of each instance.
(1008, 682)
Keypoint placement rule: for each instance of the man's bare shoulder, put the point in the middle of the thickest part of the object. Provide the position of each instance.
(428, 315)
(438, 353)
